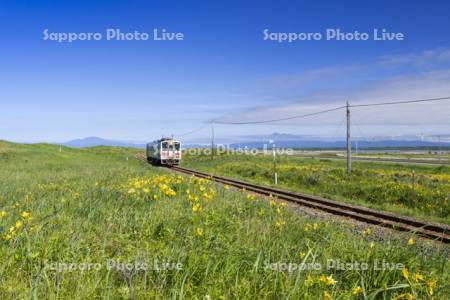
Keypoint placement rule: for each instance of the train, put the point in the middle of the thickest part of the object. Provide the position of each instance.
(165, 151)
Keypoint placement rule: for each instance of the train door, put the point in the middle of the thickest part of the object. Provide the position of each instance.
(177, 151)
(171, 151)
(167, 151)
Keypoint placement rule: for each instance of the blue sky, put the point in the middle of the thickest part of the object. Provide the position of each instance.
(139, 90)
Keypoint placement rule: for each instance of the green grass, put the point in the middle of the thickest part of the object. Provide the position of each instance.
(418, 191)
(92, 206)
(432, 157)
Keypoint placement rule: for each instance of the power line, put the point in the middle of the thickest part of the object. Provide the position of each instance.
(401, 102)
(280, 119)
(313, 114)
(333, 109)
(338, 128)
(193, 131)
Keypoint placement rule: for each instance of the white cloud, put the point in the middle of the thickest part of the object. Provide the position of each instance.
(431, 57)
(419, 118)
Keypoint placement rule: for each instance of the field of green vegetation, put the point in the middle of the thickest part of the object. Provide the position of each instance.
(413, 190)
(420, 158)
(96, 223)
(431, 156)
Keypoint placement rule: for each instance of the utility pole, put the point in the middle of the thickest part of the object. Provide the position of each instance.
(212, 140)
(275, 163)
(440, 148)
(349, 142)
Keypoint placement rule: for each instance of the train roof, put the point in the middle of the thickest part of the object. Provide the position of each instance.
(165, 139)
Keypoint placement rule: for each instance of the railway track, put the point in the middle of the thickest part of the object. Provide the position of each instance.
(438, 232)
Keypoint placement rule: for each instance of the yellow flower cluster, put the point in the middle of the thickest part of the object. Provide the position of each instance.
(14, 230)
(200, 189)
(328, 281)
(279, 224)
(356, 291)
(430, 284)
(311, 227)
(366, 232)
(153, 187)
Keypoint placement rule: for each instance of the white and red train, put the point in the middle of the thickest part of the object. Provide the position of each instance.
(165, 151)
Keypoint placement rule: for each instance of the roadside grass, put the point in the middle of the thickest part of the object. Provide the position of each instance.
(72, 220)
(417, 191)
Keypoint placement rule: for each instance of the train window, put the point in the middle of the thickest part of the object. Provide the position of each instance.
(164, 145)
(177, 146)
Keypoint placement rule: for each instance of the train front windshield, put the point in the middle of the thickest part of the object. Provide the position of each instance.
(170, 146)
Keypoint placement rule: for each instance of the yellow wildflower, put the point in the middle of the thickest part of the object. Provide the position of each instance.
(356, 291)
(207, 196)
(322, 278)
(131, 191)
(410, 242)
(405, 272)
(279, 224)
(372, 244)
(169, 192)
(196, 207)
(226, 186)
(330, 280)
(326, 296)
(309, 281)
(367, 231)
(430, 285)
(406, 296)
(18, 224)
(3, 213)
(199, 231)
(418, 277)
(25, 215)
(302, 254)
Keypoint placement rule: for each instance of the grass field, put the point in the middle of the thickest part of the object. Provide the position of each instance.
(90, 223)
(418, 191)
(421, 157)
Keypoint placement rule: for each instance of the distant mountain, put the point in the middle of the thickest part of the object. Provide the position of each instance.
(298, 141)
(96, 141)
(281, 140)
(309, 144)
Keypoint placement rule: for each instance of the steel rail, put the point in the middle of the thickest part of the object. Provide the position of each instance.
(440, 232)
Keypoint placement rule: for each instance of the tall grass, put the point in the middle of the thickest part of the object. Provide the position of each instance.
(83, 208)
(419, 191)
